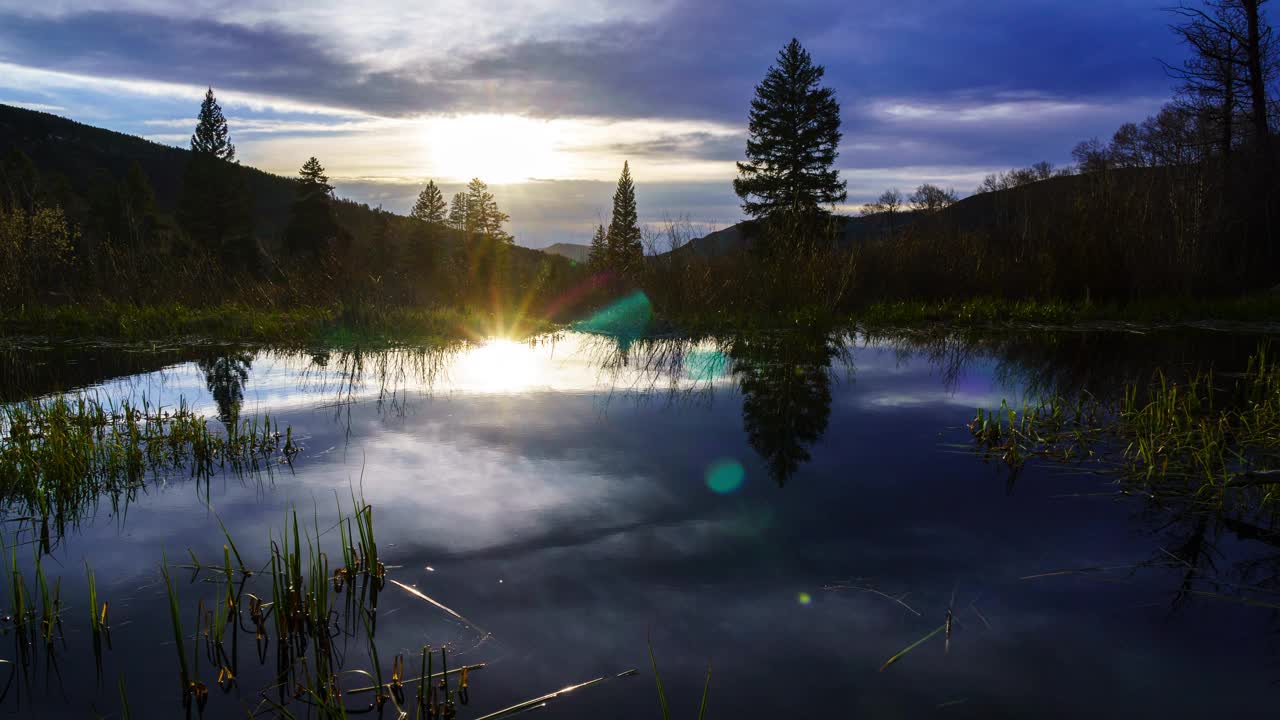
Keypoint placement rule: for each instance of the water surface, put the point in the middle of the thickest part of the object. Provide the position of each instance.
(734, 500)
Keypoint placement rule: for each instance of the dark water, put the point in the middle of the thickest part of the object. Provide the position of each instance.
(572, 498)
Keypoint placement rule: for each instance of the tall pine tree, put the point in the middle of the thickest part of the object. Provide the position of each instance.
(430, 206)
(212, 136)
(625, 249)
(794, 131)
(216, 208)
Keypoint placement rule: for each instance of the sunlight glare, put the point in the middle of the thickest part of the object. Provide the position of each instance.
(498, 366)
(498, 149)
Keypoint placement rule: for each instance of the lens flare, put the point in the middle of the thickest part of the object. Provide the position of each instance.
(725, 476)
(625, 319)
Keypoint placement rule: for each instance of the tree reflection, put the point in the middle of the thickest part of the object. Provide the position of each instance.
(785, 380)
(225, 377)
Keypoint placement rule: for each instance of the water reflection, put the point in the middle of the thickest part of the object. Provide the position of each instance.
(785, 381)
(575, 494)
(225, 376)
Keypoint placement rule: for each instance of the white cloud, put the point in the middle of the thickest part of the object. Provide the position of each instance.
(1017, 108)
(39, 80)
(380, 34)
(43, 107)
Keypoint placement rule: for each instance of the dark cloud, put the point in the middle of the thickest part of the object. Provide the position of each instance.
(699, 60)
(941, 88)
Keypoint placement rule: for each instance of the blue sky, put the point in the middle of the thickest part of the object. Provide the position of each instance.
(545, 99)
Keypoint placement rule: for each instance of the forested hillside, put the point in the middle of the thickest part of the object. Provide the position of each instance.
(121, 218)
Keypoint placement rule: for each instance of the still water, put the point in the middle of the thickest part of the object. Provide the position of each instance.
(793, 509)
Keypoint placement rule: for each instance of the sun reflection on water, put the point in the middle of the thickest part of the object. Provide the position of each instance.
(500, 365)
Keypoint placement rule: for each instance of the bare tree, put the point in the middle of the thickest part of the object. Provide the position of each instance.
(889, 204)
(1043, 170)
(1091, 156)
(1233, 56)
(1127, 147)
(931, 198)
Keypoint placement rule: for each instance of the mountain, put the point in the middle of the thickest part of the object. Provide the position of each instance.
(736, 238)
(1041, 203)
(79, 156)
(575, 252)
(78, 160)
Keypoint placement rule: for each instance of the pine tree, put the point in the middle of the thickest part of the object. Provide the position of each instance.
(794, 131)
(212, 137)
(138, 206)
(312, 229)
(483, 216)
(313, 178)
(216, 208)
(430, 206)
(625, 250)
(458, 212)
(598, 257)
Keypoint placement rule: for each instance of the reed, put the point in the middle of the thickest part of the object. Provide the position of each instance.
(59, 456)
(662, 693)
(1198, 437)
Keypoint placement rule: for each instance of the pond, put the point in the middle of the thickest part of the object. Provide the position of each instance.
(793, 508)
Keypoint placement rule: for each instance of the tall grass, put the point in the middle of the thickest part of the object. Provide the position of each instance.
(58, 456)
(1200, 436)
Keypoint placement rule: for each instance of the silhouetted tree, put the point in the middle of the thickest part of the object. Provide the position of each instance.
(889, 204)
(1211, 78)
(1091, 156)
(597, 258)
(1233, 54)
(212, 136)
(313, 178)
(931, 198)
(430, 206)
(625, 249)
(312, 228)
(483, 216)
(216, 210)
(458, 211)
(794, 128)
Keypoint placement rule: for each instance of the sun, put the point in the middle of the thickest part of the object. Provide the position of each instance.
(499, 149)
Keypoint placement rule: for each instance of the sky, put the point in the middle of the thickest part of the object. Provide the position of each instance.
(545, 99)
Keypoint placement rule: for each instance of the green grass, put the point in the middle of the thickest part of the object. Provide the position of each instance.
(327, 326)
(983, 311)
(59, 456)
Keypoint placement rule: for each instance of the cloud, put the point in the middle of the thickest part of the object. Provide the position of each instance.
(686, 59)
(935, 90)
(702, 145)
(42, 107)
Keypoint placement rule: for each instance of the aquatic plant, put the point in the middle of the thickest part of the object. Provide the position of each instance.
(1191, 436)
(662, 693)
(59, 456)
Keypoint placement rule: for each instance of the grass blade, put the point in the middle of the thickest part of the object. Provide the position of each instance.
(662, 694)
